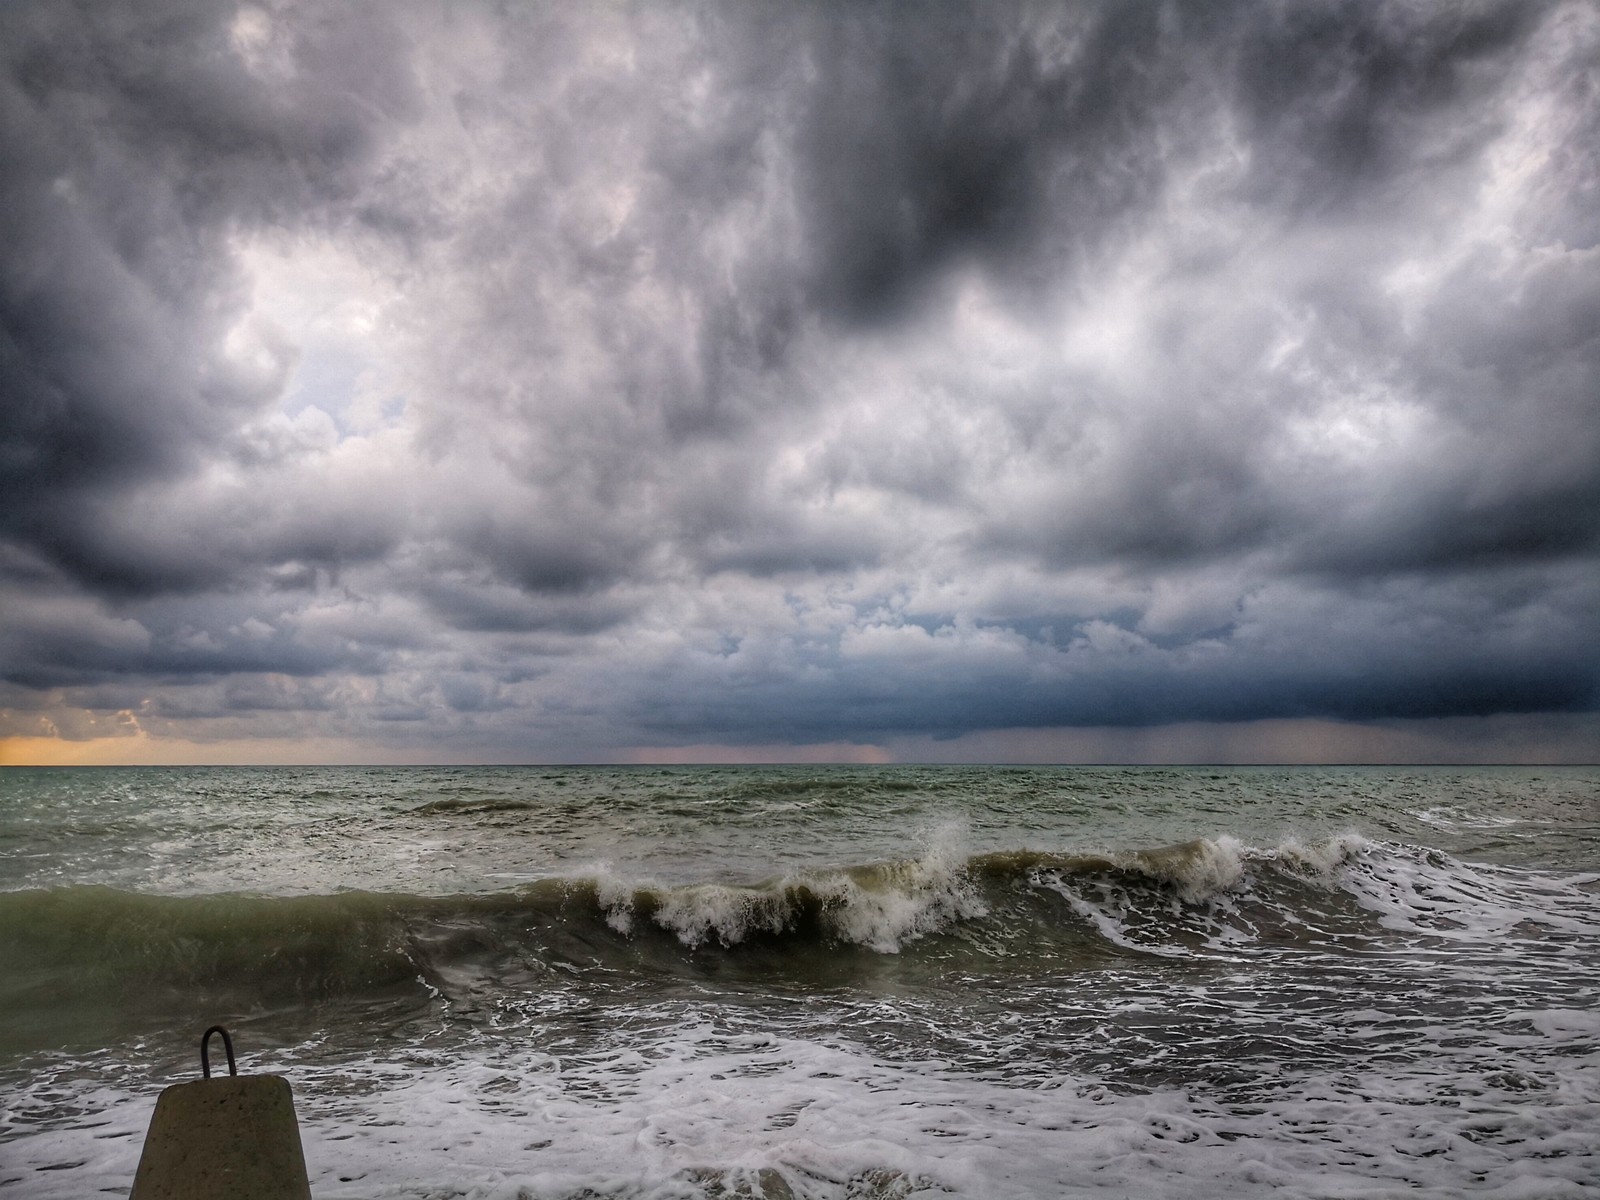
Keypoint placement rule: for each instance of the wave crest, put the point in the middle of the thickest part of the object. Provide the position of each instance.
(881, 906)
(1037, 909)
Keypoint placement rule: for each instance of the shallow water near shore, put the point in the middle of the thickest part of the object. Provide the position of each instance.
(818, 981)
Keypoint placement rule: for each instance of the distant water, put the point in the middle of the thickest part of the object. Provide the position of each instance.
(818, 982)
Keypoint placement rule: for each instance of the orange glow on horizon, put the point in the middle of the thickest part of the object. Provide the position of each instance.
(50, 752)
(1553, 739)
(142, 750)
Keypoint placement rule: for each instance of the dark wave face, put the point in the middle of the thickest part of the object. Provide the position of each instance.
(1013, 916)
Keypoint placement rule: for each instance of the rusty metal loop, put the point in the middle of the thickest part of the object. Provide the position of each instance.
(205, 1051)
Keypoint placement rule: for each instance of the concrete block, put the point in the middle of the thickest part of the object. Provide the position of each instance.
(228, 1138)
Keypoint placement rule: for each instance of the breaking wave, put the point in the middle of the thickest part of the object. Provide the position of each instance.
(1052, 909)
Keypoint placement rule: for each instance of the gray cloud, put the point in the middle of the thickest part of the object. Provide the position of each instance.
(136, 147)
(555, 379)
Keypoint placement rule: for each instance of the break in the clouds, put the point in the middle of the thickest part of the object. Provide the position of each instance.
(550, 380)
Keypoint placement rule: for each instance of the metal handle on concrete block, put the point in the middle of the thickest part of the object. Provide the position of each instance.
(205, 1050)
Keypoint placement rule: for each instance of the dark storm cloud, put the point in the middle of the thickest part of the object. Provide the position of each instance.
(134, 146)
(1378, 654)
(486, 605)
(581, 374)
(1356, 118)
(1335, 95)
(1028, 137)
(966, 149)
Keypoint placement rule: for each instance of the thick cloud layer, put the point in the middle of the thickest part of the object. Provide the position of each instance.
(553, 380)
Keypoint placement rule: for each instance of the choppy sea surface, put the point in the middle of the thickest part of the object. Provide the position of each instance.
(818, 981)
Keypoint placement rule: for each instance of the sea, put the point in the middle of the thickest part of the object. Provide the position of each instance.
(818, 981)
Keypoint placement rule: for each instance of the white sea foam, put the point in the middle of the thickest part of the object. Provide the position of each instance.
(1198, 870)
(1319, 859)
(730, 915)
(1428, 891)
(615, 896)
(899, 902)
(701, 1112)
(882, 907)
(1409, 889)
(1449, 817)
(1206, 876)
(1208, 868)
(1566, 1023)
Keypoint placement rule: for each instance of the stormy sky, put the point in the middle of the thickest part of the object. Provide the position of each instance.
(502, 381)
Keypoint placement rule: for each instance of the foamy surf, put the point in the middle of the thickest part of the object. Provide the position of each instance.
(705, 1112)
(1174, 900)
(881, 906)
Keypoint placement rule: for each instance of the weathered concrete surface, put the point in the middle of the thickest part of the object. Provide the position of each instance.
(233, 1137)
